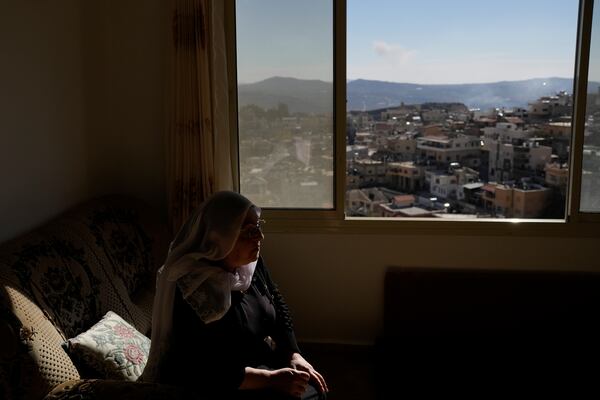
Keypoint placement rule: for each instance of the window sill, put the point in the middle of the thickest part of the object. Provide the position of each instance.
(430, 227)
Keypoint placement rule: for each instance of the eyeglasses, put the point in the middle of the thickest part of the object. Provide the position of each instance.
(252, 231)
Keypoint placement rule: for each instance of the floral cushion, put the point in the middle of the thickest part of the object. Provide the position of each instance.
(112, 347)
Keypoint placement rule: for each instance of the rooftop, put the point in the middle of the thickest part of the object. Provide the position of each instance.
(474, 185)
(416, 212)
(404, 198)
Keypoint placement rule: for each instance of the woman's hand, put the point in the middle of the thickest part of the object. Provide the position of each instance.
(299, 363)
(289, 380)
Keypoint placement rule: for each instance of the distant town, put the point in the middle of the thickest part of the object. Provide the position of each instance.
(433, 160)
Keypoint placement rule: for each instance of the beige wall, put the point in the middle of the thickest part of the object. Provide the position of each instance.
(43, 161)
(334, 282)
(124, 67)
(81, 110)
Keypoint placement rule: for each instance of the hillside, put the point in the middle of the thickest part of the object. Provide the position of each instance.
(362, 94)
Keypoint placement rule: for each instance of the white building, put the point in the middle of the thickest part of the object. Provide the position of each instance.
(356, 152)
(364, 202)
(509, 162)
(447, 150)
(504, 132)
(442, 184)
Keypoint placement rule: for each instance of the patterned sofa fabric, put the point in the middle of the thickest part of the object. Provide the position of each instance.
(95, 389)
(57, 275)
(60, 279)
(30, 363)
(118, 234)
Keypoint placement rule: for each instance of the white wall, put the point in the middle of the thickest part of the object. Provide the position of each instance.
(43, 162)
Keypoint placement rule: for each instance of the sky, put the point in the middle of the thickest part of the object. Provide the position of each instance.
(594, 66)
(425, 41)
(291, 38)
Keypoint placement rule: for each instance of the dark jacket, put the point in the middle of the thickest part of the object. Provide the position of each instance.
(213, 356)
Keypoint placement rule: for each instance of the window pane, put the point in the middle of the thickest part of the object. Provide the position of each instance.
(459, 109)
(590, 180)
(285, 102)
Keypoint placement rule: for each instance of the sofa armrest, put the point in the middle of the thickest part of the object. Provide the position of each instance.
(105, 389)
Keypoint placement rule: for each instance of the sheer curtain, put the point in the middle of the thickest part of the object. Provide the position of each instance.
(201, 157)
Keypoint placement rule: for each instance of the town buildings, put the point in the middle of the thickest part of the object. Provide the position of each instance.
(502, 163)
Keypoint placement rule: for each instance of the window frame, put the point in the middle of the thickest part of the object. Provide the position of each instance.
(309, 221)
(584, 38)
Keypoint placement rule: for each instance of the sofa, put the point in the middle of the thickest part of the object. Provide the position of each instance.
(59, 280)
(489, 333)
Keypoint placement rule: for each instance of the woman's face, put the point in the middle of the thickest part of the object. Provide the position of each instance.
(247, 247)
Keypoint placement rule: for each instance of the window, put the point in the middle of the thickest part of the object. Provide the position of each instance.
(505, 123)
(590, 179)
(416, 60)
(285, 102)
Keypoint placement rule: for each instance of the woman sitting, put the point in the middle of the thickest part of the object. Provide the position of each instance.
(220, 326)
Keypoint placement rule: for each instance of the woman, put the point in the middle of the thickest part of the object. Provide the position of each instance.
(217, 309)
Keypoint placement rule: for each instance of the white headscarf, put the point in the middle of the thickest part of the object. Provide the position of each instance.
(208, 235)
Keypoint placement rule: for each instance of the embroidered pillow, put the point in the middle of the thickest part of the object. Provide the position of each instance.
(112, 347)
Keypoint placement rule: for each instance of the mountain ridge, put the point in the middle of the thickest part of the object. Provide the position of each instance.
(364, 94)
